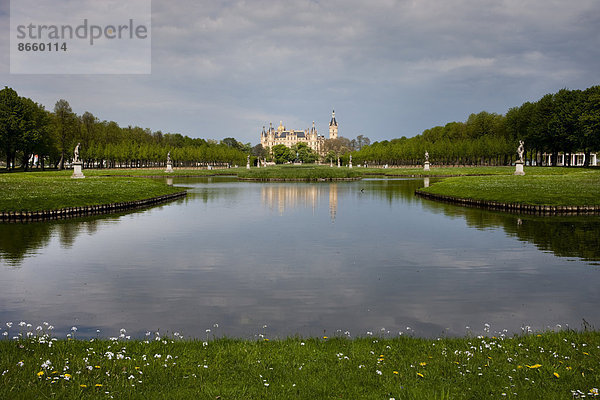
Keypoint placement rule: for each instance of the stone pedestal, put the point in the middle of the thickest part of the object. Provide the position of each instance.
(169, 167)
(350, 165)
(248, 166)
(426, 166)
(77, 174)
(519, 168)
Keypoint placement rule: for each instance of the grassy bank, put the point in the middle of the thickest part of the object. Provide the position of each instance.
(300, 173)
(574, 187)
(552, 365)
(52, 191)
(466, 171)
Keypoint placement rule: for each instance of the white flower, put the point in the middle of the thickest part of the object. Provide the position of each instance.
(9, 324)
(74, 329)
(379, 372)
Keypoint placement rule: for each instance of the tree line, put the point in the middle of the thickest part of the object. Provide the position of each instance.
(567, 121)
(28, 133)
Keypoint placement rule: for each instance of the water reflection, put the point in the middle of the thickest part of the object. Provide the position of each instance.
(28, 239)
(565, 236)
(246, 254)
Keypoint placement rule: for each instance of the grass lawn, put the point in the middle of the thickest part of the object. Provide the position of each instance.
(552, 365)
(465, 171)
(53, 190)
(309, 172)
(50, 190)
(541, 186)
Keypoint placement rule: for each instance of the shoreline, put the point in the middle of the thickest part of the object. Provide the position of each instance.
(71, 212)
(511, 207)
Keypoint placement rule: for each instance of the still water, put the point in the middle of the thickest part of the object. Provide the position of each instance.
(282, 259)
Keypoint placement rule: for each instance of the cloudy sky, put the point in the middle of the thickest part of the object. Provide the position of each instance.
(390, 68)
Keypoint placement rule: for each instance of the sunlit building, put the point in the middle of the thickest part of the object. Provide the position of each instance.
(281, 135)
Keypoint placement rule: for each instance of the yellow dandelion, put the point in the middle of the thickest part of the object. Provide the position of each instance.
(41, 373)
(266, 340)
(325, 337)
(423, 364)
(420, 374)
(456, 362)
(137, 367)
(569, 368)
(534, 366)
(97, 366)
(395, 372)
(587, 354)
(519, 366)
(556, 375)
(98, 385)
(83, 386)
(68, 376)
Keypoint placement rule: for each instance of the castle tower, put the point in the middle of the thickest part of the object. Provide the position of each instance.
(333, 127)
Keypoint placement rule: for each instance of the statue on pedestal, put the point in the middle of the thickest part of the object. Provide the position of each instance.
(521, 150)
(77, 164)
(519, 163)
(76, 153)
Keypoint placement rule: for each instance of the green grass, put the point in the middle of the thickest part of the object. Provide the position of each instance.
(52, 191)
(547, 366)
(575, 187)
(464, 171)
(300, 173)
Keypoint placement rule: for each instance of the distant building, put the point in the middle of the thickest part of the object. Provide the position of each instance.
(281, 135)
(577, 159)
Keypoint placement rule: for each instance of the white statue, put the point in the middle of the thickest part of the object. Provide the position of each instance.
(76, 153)
(426, 156)
(169, 157)
(521, 150)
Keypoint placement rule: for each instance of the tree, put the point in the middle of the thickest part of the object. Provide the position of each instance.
(259, 151)
(590, 122)
(11, 123)
(361, 141)
(282, 154)
(35, 136)
(339, 146)
(65, 125)
(304, 153)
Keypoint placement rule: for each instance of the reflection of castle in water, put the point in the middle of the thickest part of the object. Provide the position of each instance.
(284, 197)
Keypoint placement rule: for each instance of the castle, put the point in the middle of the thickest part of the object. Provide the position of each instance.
(311, 137)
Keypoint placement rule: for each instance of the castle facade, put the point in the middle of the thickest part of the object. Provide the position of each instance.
(281, 135)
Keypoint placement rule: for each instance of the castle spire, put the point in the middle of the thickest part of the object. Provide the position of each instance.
(333, 127)
(333, 122)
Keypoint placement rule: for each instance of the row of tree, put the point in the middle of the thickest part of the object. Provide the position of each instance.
(567, 121)
(27, 129)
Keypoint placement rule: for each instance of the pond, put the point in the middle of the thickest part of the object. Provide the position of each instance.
(245, 259)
